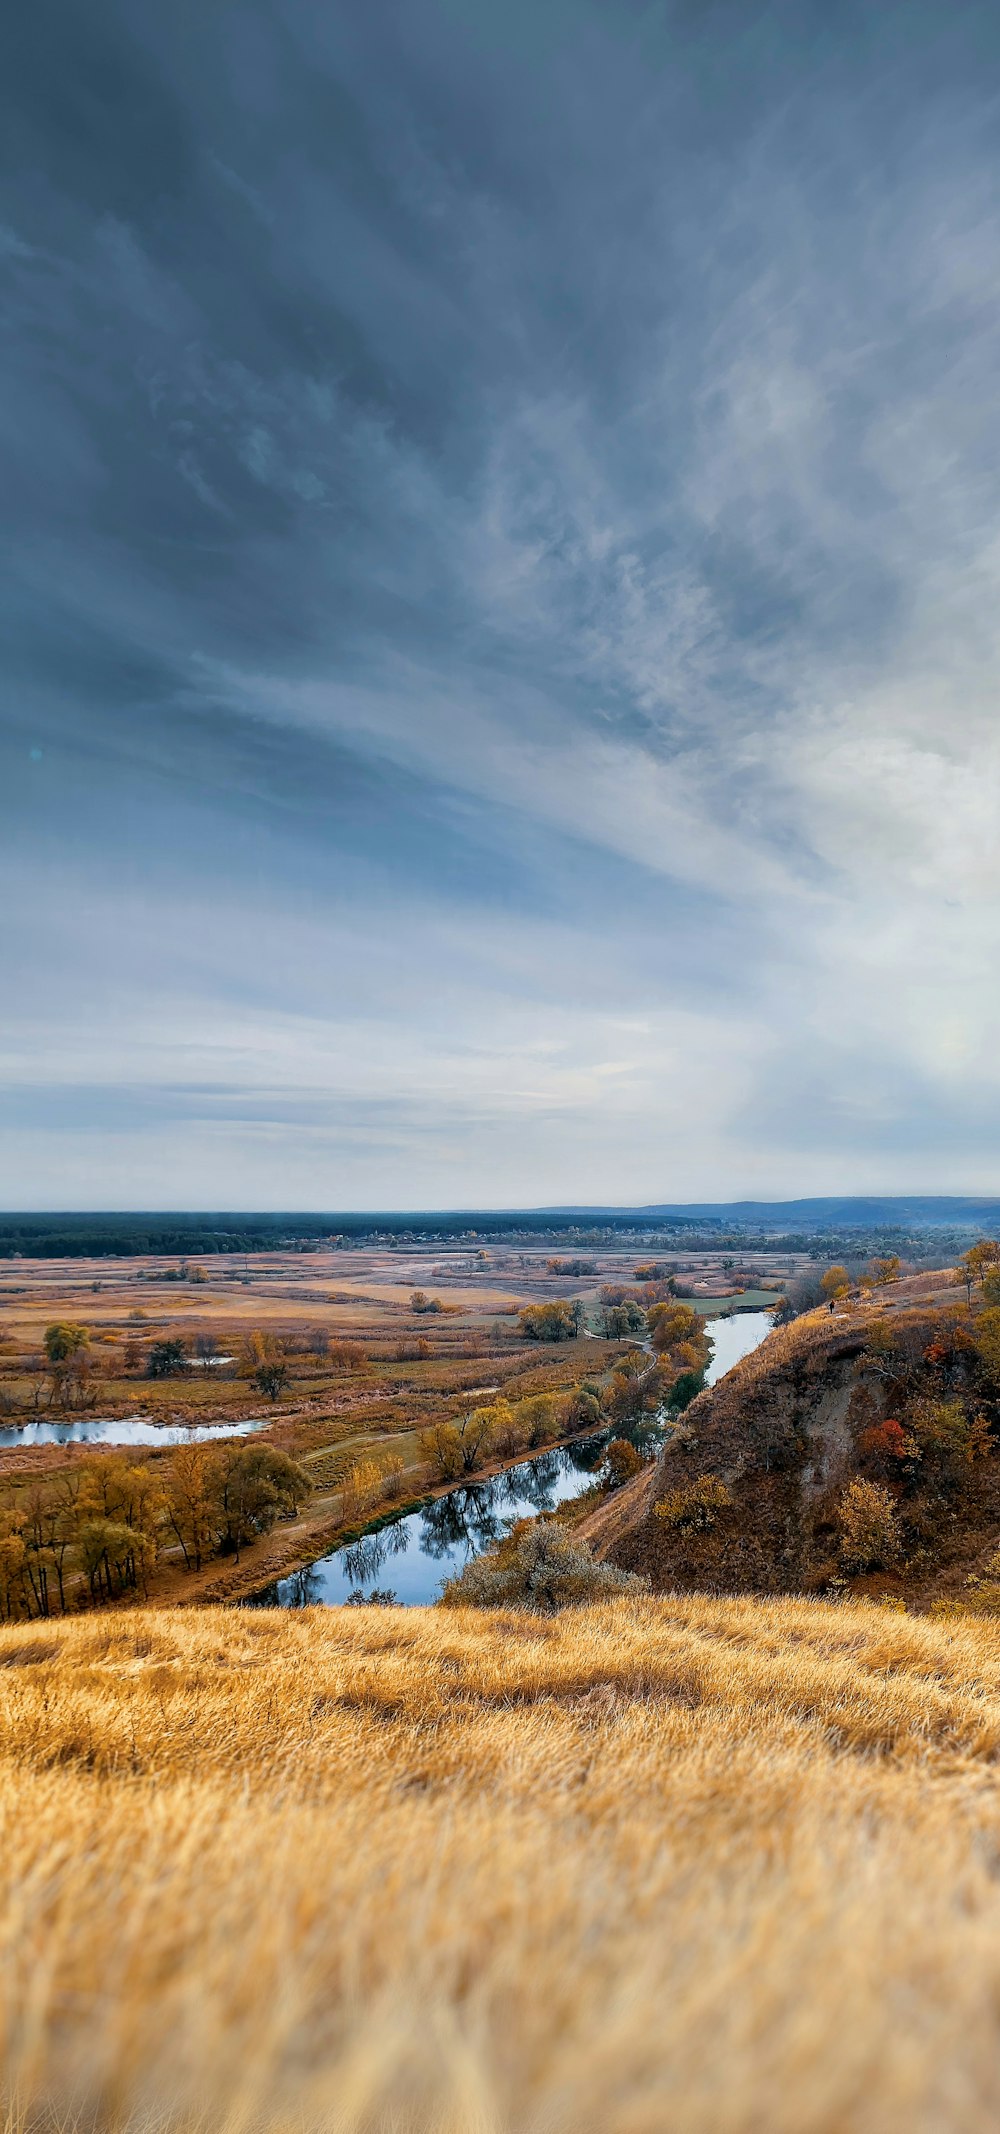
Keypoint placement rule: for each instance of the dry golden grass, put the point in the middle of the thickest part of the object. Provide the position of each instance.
(690, 1864)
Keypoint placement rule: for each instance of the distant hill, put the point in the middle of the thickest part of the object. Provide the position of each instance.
(927, 1210)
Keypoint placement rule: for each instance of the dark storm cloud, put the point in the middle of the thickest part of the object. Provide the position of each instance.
(502, 512)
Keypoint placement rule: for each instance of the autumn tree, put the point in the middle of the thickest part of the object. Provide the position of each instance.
(253, 1486)
(558, 1321)
(682, 1343)
(883, 1271)
(975, 1264)
(441, 1445)
(190, 1498)
(987, 1341)
(12, 1561)
(620, 1321)
(835, 1284)
(348, 1356)
(621, 1462)
(64, 1338)
(536, 1419)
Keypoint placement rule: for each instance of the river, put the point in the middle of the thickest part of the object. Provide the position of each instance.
(123, 1430)
(412, 1555)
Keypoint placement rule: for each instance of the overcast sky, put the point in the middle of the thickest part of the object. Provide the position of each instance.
(502, 612)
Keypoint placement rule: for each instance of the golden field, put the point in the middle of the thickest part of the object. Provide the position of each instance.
(680, 1864)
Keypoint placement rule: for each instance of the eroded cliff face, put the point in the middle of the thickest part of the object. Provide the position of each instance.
(785, 1433)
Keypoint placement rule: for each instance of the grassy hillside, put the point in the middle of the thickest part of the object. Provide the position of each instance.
(691, 1864)
(903, 1401)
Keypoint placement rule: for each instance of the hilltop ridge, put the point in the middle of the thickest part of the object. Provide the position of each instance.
(897, 1398)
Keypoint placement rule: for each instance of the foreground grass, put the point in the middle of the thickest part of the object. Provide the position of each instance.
(660, 1864)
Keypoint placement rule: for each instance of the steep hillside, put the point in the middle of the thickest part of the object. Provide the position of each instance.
(692, 1863)
(904, 1402)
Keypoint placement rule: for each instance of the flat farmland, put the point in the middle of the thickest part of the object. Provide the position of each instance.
(373, 1349)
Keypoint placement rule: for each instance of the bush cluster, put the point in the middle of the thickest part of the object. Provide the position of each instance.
(538, 1569)
(695, 1505)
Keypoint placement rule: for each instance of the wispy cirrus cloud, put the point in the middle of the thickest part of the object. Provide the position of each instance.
(502, 616)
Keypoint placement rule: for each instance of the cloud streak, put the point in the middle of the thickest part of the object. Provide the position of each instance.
(502, 622)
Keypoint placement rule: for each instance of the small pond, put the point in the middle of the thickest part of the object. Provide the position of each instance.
(412, 1555)
(123, 1430)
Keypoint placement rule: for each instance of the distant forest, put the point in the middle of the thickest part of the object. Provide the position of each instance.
(931, 1222)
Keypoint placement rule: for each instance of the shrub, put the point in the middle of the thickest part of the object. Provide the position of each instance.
(362, 1490)
(946, 1437)
(166, 1359)
(869, 1527)
(583, 1408)
(695, 1505)
(885, 1441)
(538, 1569)
(412, 1351)
(348, 1356)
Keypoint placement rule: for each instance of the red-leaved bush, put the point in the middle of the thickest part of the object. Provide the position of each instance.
(884, 1441)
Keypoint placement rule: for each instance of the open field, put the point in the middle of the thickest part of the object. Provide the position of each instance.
(689, 1863)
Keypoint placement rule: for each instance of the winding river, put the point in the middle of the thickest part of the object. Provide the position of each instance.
(410, 1556)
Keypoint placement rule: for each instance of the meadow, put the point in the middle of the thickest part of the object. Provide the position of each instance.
(686, 1863)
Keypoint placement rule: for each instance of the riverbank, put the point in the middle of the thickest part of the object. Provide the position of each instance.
(408, 1552)
(299, 1547)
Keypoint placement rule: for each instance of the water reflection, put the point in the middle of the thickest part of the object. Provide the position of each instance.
(365, 1559)
(428, 1546)
(123, 1430)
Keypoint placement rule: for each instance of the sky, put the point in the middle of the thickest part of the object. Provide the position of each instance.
(501, 610)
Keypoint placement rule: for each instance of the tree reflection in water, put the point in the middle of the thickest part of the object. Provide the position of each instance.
(366, 1558)
(452, 1528)
(301, 1589)
(466, 1519)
